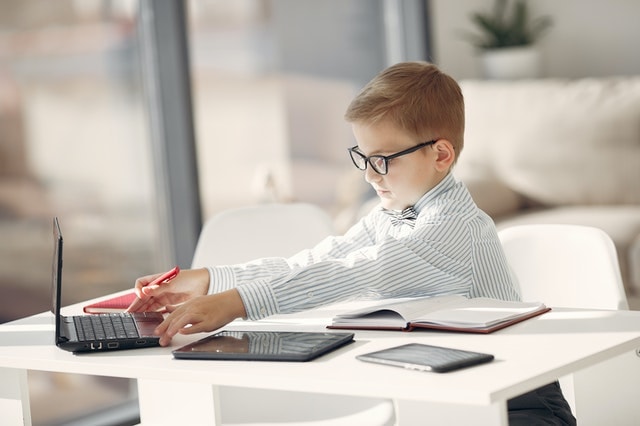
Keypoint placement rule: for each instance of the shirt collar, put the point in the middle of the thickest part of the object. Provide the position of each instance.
(443, 186)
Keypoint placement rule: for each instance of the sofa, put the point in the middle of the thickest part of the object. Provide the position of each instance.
(558, 151)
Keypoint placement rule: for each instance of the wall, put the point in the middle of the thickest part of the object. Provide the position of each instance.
(589, 38)
(330, 39)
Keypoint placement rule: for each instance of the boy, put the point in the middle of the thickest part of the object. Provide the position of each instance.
(426, 238)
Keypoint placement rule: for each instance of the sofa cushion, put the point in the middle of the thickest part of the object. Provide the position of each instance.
(557, 142)
(492, 196)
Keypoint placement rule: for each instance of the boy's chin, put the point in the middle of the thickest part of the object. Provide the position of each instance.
(390, 205)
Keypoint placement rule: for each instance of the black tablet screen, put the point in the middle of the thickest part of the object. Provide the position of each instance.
(416, 356)
(263, 345)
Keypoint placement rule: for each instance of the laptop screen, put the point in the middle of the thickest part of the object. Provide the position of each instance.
(56, 275)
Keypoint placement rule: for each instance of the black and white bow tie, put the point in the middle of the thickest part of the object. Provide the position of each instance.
(407, 216)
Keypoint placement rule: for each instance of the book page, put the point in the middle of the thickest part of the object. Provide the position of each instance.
(405, 309)
(379, 318)
(479, 312)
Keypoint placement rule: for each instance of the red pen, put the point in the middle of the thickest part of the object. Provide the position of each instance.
(166, 277)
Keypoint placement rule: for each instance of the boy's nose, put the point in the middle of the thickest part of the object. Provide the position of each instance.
(371, 175)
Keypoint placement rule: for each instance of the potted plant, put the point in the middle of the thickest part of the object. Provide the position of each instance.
(507, 39)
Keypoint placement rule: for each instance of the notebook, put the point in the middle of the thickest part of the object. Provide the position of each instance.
(121, 302)
(115, 304)
(264, 345)
(103, 332)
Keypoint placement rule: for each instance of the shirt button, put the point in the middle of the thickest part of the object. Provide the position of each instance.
(263, 311)
(310, 294)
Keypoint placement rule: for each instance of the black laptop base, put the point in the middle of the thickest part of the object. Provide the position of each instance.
(145, 321)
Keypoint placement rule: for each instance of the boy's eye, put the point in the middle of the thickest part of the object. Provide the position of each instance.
(379, 162)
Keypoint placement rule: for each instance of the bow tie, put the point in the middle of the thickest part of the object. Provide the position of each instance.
(407, 216)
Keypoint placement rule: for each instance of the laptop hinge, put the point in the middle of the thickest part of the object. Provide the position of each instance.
(67, 331)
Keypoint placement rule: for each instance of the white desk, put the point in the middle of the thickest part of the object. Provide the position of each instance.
(171, 391)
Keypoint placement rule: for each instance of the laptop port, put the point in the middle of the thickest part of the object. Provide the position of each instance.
(140, 342)
(112, 345)
(96, 346)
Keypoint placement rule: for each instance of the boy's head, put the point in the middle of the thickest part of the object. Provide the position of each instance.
(417, 98)
(403, 107)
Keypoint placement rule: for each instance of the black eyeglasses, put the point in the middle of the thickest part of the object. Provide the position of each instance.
(380, 163)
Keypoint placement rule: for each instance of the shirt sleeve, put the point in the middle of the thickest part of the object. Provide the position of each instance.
(369, 261)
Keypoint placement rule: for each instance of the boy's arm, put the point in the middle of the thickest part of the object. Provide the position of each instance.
(394, 267)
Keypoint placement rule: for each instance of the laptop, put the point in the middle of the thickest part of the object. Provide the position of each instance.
(103, 332)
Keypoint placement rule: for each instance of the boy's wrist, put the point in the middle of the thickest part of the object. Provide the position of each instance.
(237, 308)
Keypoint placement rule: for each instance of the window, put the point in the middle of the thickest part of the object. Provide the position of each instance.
(73, 143)
(271, 81)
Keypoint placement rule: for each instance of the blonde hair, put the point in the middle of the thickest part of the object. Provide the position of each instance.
(418, 98)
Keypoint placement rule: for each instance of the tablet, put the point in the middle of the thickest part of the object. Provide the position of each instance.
(264, 345)
(416, 356)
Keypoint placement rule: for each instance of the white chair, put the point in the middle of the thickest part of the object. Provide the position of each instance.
(247, 233)
(582, 259)
(243, 234)
(577, 267)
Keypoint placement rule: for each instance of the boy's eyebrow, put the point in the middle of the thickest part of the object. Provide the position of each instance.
(382, 152)
(367, 155)
(357, 148)
(377, 152)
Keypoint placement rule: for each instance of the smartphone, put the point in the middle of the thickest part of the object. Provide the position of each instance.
(417, 356)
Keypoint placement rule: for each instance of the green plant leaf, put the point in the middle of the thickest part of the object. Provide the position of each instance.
(499, 28)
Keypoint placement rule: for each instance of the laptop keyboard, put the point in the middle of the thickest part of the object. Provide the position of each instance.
(105, 327)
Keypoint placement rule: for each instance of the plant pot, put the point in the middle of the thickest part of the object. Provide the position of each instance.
(511, 63)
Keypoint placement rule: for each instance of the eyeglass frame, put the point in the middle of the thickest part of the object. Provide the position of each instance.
(385, 158)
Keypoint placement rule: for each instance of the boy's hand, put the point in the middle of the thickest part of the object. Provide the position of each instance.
(205, 313)
(186, 285)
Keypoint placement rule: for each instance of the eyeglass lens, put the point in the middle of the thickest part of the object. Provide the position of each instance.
(378, 163)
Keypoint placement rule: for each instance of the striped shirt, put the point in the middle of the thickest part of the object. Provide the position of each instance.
(452, 249)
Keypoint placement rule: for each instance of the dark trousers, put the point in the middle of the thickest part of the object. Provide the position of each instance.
(543, 406)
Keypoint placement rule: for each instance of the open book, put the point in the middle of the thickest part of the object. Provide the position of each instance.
(452, 313)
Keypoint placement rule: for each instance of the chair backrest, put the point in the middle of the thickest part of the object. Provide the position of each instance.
(264, 230)
(565, 265)
(577, 267)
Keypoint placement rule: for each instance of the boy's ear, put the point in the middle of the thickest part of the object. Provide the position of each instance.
(445, 155)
